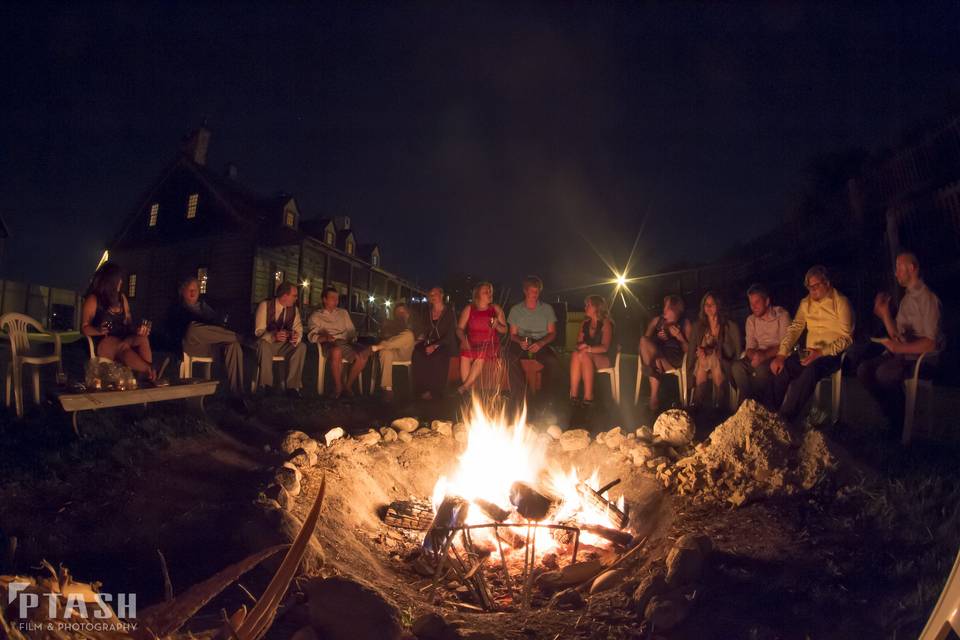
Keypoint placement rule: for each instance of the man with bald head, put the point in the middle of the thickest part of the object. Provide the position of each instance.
(915, 329)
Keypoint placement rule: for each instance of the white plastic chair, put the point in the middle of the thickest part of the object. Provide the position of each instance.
(680, 373)
(614, 373)
(322, 370)
(17, 326)
(396, 363)
(836, 383)
(186, 365)
(910, 386)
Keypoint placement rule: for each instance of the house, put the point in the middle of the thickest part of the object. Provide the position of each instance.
(195, 221)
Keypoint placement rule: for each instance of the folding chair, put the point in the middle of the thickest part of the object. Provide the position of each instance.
(17, 326)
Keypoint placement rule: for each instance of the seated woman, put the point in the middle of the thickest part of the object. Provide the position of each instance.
(436, 344)
(663, 345)
(717, 343)
(106, 318)
(593, 348)
(478, 329)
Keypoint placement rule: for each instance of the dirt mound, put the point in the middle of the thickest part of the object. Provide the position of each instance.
(751, 455)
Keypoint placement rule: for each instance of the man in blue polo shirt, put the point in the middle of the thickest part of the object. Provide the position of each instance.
(533, 326)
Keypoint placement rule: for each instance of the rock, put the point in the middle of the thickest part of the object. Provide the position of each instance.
(442, 427)
(652, 585)
(302, 458)
(683, 566)
(554, 431)
(423, 431)
(369, 438)
(334, 434)
(640, 454)
(276, 493)
(403, 436)
(430, 626)
(549, 561)
(409, 425)
(341, 609)
(675, 427)
(460, 432)
(599, 438)
(698, 541)
(571, 575)
(388, 434)
(567, 600)
(544, 440)
(608, 580)
(306, 633)
(289, 478)
(292, 441)
(575, 440)
(270, 527)
(666, 613)
(613, 438)
(644, 434)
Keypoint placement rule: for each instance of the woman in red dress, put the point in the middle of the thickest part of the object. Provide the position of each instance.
(478, 330)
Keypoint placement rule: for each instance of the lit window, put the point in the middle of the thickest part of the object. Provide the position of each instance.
(154, 213)
(202, 279)
(375, 260)
(132, 285)
(289, 218)
(349, 247)
(329, 237)
(192, 205)
(278, 276)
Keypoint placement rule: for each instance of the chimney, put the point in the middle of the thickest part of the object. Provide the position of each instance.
(195, 145)
(342, 223)
(230, 171)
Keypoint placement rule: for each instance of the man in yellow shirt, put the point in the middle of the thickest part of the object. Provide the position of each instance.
(826, 316)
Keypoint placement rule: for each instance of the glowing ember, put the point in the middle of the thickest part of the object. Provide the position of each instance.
(500, 453)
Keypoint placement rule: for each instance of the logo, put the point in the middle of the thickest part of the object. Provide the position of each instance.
(77, 610)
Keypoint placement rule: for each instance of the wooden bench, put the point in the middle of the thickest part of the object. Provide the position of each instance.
(74, 403)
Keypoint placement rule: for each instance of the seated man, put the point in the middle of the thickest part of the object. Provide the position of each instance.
(664, 344)
(331, 328)
(915, 330)
(195, 326)
(279, 332)
(396, 345)
(826, 316)
(533, 326)
(766, 327)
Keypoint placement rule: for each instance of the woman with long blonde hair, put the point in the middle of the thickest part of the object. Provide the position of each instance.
(593, 348)
(479, 329)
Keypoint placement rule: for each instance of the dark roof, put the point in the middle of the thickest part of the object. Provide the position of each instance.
(315, 226)
(342, 236)
(366, 250)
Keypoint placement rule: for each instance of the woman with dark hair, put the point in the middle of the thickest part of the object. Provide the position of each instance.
(664, 344)
(106, 318)
(478, 329)
(716, 340)
(593, 348)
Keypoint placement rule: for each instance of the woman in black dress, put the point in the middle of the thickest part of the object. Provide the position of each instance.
(436, 344)
(593, 348)
(664, 344)
(106, 318)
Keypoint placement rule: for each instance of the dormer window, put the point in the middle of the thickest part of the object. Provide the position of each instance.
(132, 285)
(192, 206)
(329, 238)
(154, 214)
(375, 259)
(349, 246)
(290, 218)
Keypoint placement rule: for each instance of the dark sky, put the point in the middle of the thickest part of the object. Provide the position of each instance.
(498, 139)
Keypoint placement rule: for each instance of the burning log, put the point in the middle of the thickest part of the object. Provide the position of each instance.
(616, 536)
(617, 518)
(530, 503)
(451, 514)
(409, 514)
(492, 511)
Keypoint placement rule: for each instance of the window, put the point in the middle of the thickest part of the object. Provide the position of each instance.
(202, 279)
(349, 247)
(330, 238)
(192, 205)
(289, 218)
(132, 285)
(154, 213)
(375, 259)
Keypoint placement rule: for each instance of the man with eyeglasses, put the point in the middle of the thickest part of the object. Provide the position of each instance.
(825, 314)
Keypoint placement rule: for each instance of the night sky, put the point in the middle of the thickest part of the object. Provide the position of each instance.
(496, 139)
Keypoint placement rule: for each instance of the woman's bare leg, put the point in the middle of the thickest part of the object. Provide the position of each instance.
(475, 368)
(575, 373)
(588, 373)
(719, 386)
